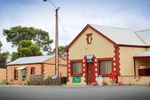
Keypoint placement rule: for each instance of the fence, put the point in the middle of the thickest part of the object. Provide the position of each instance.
(50, 81)
(36, 79)
(39, 80)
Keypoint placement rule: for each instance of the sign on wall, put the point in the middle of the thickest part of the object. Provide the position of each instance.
(76, 79)
(89, 58)
(54, 77)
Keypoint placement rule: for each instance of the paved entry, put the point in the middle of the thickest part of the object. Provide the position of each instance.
(90, 74)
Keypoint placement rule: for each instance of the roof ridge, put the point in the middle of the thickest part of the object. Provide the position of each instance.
(37, 56)
(113, 27)
(143, 30)
(140, 38)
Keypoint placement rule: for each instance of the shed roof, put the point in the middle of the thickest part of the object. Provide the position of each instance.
(143, 54)
(30, 60)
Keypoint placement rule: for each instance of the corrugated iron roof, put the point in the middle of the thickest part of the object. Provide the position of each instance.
(145, 36)
(142, 54)
(124, 36)
(30, 60)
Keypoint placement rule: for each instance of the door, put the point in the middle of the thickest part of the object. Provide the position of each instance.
(90, 73)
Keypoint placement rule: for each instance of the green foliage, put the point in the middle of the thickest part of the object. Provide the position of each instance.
(61, 50)
(16, 34)
(25, 43)
(26, 49)
(48, 80)
(1, 45)
(14, 56)
(4, 83)
(3, 58)
(28, 83)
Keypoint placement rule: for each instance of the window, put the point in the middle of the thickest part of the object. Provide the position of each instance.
(32, 70)
(24, 73)
(15, 74)
(105, 67)
(77, 67)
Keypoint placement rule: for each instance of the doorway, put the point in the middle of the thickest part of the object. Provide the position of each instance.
(90, 73)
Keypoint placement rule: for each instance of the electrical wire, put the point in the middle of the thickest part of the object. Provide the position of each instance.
(63, 28)
(59, 18)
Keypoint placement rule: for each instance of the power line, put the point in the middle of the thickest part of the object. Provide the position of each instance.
(58, 17)
(63, 28)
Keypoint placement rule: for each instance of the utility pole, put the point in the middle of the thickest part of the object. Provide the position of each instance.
(56, 41)
(56, 45)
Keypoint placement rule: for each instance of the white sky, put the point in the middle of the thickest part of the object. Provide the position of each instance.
(74, 16)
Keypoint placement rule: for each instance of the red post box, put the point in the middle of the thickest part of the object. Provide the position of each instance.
(112, 75)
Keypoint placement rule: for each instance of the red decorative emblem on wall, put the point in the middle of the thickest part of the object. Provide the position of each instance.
(89, 38)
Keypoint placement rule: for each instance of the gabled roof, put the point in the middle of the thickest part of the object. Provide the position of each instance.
(31, 60)
(119, 36)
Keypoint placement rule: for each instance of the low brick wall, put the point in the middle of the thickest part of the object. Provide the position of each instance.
(2, 74)
(134, 80)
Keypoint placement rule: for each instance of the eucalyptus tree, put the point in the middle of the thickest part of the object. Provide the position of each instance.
(18, 33)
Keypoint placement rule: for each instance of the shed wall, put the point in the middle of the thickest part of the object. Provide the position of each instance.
(10, 73)
(2, 74)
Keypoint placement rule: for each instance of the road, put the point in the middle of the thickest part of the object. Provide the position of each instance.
(74, 93)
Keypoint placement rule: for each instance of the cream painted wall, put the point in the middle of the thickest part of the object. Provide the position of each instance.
(134, 80)
(126, 59)
(76, 84)
(100, 47)
(148, 48)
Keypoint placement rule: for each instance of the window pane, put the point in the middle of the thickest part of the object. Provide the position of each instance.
(32, 71)
(74, 68)
(16, 74)
(24, 74)
(79, 68)
(109, 67)
(103, 67)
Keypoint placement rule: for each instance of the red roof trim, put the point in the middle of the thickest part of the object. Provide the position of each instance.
(102, 35)
(141, 57)
(76, 38)
(140, 46)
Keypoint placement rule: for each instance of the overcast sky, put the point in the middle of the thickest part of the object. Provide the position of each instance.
(74, 15)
